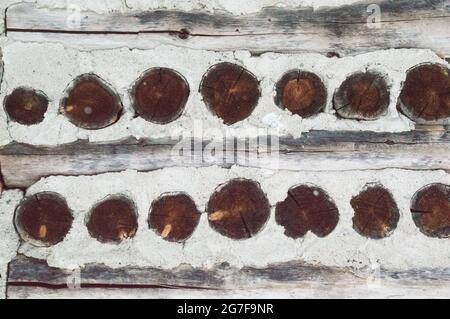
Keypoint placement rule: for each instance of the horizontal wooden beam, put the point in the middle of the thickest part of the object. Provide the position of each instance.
(30, 277)
(22, 165)
(344, 29)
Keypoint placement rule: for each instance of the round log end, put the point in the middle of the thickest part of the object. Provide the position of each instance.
(430, 208)
(230, 92)
(302, 93)
(174, 217)
(425, 96)
(376, 213)
(90, 103)
(160, 95)
(362, 96)
(43, 219)
(307, 208)
(238, 209)
(26, 106)
(113, 220)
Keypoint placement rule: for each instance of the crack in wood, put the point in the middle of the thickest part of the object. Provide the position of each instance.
(28, 273)
(22, 165)
(273, 28)
(101, 286)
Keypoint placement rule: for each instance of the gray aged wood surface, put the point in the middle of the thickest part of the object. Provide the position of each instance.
(22, 165)
(29, 278)
(344, 29)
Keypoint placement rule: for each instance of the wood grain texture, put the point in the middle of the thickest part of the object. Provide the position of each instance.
(22, 165)
(404, 23)
(30, 278)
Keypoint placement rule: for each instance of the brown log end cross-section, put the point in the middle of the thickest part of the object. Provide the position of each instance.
(160, 95)
(90, 103)
(307, 208)
(303, 93)
(174, 217)
(43, 219)
(230, 92)
(26, 106)
(425, 96)
(376, 213)
(113, 220)
(430, 208)
(362, 96)
(238, 209)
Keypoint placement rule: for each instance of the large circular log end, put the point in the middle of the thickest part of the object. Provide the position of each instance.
(362, 96)
(425, 96)
(376, 213)
(230, 91)
(430, 208)
(113, 220)
(26, 106)
(238, 209)
(174, 217)
(90, 103)
(160, 95)
(307, 208)
(302, 93)
(43, 219)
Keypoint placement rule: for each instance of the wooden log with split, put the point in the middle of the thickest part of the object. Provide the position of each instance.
(230, 92)
(425, 96)
(362, 96)
(431, 210)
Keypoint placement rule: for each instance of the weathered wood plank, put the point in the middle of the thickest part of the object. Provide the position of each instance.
(28, 16)
(344, 29)
(29, 277)
(22, 165)
(309, 291)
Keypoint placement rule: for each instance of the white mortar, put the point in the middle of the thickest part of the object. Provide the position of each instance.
(406, 248)
(10, 241)
(51, 67)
